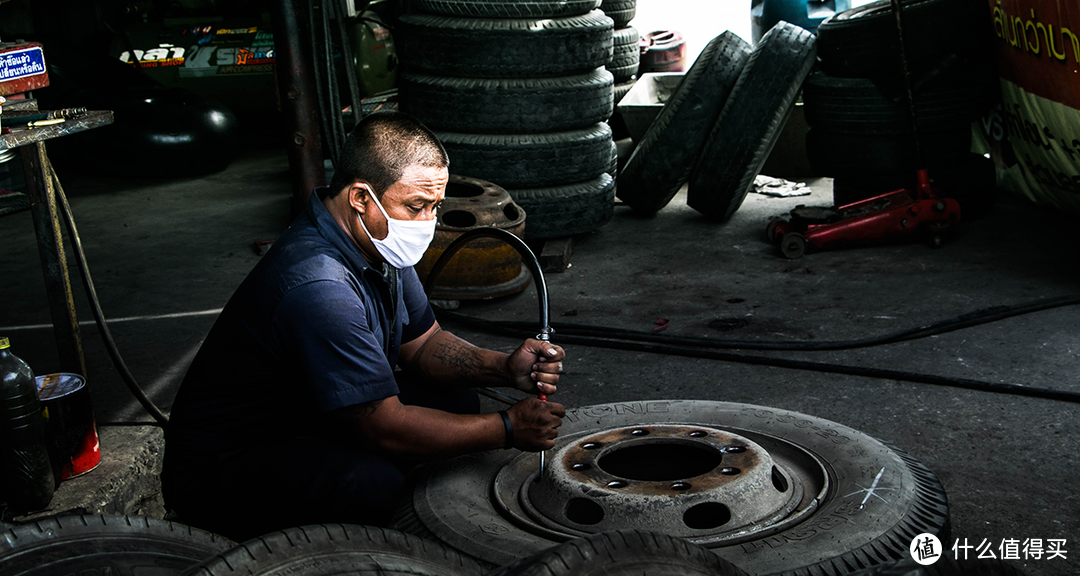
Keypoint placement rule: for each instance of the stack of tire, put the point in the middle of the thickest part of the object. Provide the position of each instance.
(626, 41)
(859, 115)
(519, 94)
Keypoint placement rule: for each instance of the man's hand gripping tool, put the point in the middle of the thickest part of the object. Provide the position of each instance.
(543, 336)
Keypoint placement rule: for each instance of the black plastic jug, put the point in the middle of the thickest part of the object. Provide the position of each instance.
(26, 475)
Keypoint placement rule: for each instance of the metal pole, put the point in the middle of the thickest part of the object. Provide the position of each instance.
(299, 106)
(898, 11)
(46, 216)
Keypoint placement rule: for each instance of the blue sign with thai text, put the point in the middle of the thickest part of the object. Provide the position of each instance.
(22, 63)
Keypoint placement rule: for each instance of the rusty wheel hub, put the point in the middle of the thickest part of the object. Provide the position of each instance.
(694, 482)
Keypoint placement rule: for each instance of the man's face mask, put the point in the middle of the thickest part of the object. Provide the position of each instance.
(406, 240)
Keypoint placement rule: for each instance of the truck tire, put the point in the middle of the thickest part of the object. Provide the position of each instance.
(508, 8)
(559, 211)
(621, 11)
(862, 155)
(863, 42)
(530, 160)
(103, 544)
(858, 106)
(622, 553)
(661, 163)
(878, 496)
(507, 106)
(626, 54)
(750, 121)
(504, 48)
(334, 549)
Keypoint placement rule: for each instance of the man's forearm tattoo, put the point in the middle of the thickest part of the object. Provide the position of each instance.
(463, 359)
(369, 408)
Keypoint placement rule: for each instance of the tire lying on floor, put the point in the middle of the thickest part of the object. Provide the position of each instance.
(118, 545)
(771, 491)
(507, 105)
(750, 121)
(508, 8)
(622, 553)
(331, 549)
(504, 47)
(531, 160)
(661, 163)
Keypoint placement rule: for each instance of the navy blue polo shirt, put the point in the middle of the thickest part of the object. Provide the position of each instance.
(313, 328)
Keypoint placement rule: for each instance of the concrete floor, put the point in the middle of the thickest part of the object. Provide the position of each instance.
(167, 254)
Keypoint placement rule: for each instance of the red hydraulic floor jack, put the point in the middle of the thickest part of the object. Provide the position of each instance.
(894, 216)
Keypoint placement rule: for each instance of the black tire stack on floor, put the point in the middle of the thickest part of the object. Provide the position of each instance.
(519, 94)
(626, 41)
(857, 108)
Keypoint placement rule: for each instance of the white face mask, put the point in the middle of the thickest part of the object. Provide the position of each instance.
(406, 240)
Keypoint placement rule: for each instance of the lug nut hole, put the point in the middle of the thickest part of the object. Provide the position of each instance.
(680, 486)
(591, 445)
(778, 480)
(735, 449)
(639, 432)
(730, 471)
(584, 511)
(616, 484)
(698, 434)
(580, 467)
(707, 516)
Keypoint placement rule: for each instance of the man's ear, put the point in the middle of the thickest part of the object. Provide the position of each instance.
(358, 195)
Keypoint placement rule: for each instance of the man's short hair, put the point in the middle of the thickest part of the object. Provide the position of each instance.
(381, 147)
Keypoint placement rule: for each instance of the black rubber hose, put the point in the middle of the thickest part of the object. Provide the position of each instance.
(968, 320)
(99, 316)
(567, 336)
(692, 352)
(527, 257)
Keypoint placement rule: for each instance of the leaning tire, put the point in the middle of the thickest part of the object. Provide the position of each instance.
(504, 48)
(621, 11)
(120, 545)
(507, 106)
(508, 8)
(330, 549)
(865, 501)
(530, 160)
(661, 163)
(626, 54)
(622, 553)
(560, 211)
(862, 41)
(750, 121)
(866, 155)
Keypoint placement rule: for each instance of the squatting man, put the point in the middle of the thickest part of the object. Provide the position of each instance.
(292, 412)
